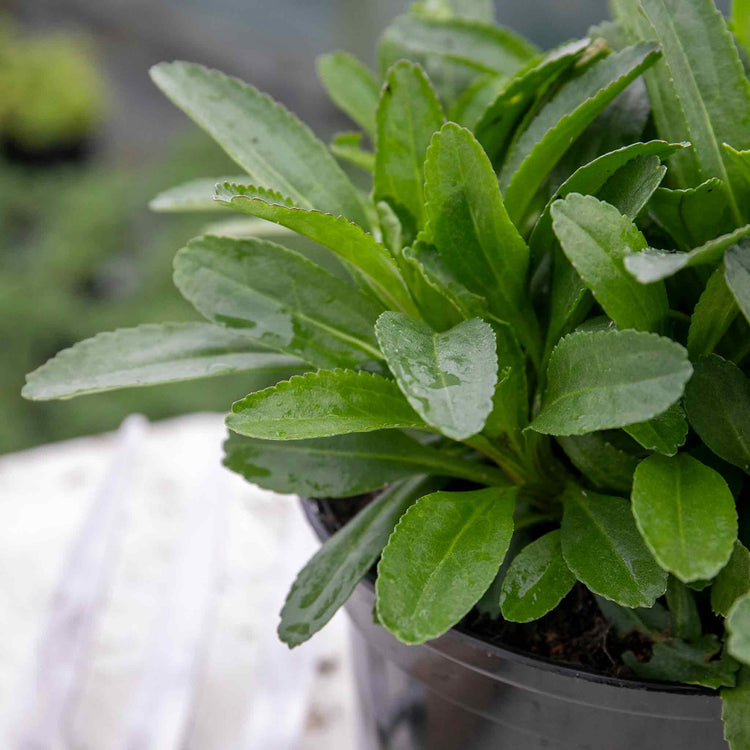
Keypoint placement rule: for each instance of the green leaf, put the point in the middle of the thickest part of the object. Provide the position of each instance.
(714, 313)
(448, 378)
(717, 401)
(533, 155)
(477, 10)
(652, 621)
(351, 86)
(409, 113)
(345, 465)
(607, 379)
(280, 298)
(596, 237)
(495, 128)
(348, 241)
(537, 580)
(709, 82)
(631, 187)
(323, 404)
(684, 611)
(605, 465)
(737, 262)
(440, 559)
(738, 628)
(664, 433)
(473, 233)
(468, 109)
(686, 514)
(275, 148)
(152, 354)
(602, 546)
(654, 265)
(735, 710)
(732, 582)
(196, 195)
(677, 661)
(327, 581)
(348, 147)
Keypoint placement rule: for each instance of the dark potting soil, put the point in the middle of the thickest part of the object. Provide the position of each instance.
(575, 633)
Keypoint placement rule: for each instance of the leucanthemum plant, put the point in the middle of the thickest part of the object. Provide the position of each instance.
(531, 327)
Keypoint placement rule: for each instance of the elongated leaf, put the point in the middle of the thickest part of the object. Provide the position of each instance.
(473, 103)
(685, 616)
(664, 433)
(631, 187)
(596, 237)
(351, 86)
(151, 354)
(735, 704)
(653, 621)
(717, 402)
(602, 546)
(275, 148)
(280, 298)
(327, 581)
(348, 147)
(710, 84)
(737, 261)
(732, 582)
(196, 195)
(606, 379)
(441, 558)
(693, 663)
(549, 135)
(409, 113)
(323, 404)
(685, 512)
(350, 243)
(449, 378)
(473, 233)
(345, 465)
(536, 581)
(654, 265)
(608, 467)
(714, 313)
(738, 627)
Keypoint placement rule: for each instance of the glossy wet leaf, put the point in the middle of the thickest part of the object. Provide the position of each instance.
(732, 582)
(684, 610)
(602, 546)
(323, 404)
(717, 402)
(713, 315)
(327, 581)
(264, 138)
(738, 628)
(737, 273)
(686, 514)
(356, 247)
(409, 113)
(196, 195)
(608, 379)
(605, 465)
(596, 238)
(473, 233)
(653, 621)
(449, 378)
(441, 558)
(664, 433)
(536, 581)
(280, 299)
(152, 354)
(351, 86)
(735, 711)
(533, 155)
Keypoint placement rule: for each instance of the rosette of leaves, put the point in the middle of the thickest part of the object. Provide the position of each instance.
(535, 320)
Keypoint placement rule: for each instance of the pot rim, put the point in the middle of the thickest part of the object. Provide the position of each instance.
(488, 649)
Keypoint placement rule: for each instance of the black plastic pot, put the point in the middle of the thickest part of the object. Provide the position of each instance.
(460, 693)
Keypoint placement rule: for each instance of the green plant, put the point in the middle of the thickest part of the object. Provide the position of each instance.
(498, 318)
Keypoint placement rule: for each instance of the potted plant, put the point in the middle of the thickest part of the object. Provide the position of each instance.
(558, 410)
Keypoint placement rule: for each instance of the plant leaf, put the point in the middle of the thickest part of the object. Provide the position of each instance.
(348, 146)
(685, 617)
(652, 621)
(468, 109)
(152, 354)
(449, 378)
(537, 580)
(440, 559)
(738, 628)
(329, 578)
(473, 233)
(714, 313)
(348, 241)
(737, 262)
(596, 237)
(533, 155)
(323, 404)
(196, 195)
(280, 298)
(409, 113)
(732, 582)
(717, 402)
(477, 10)
(607, 379)
(631, 187)
(735, 709)
(351, 86)
(264, 138)
(602, 546)
(686, 514)
(665, 433)
(608, 467)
